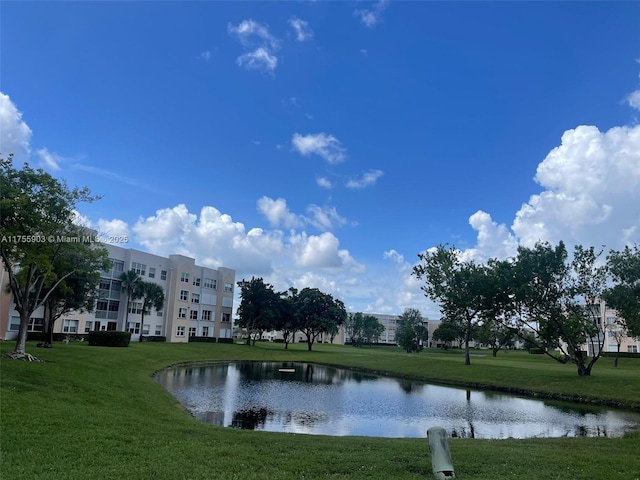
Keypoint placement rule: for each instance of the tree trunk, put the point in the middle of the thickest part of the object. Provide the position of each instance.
(22, 333)
(467, 357)
(615, 359)
(141, 324)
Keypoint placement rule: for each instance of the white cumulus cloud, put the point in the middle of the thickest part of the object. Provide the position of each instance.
(365, 180)
(278, 214)
(260, 44)
(49, 160)
(326, 146)
(301, 29)
(591, 196)
(15, 134)
(371, 17)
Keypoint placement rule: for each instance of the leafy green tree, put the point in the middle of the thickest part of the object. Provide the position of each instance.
(259, 309)
(132, 288)
(411, 332)
(372, 329)
(558, 300)
(496, 335)
(151, 295)
(460, 287)
(448, 332)
(78, 291)
(37, 213)
(624, 295)
(287, 322)
(318, 312)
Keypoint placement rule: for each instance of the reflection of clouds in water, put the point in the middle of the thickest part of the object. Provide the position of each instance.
(325, 400)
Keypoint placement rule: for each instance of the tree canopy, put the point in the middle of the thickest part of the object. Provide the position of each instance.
(38, 231)
(411, 332)
(624, 295)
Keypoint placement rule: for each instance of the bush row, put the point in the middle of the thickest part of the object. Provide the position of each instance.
(620, 355)
(109, 338)
(202, 339)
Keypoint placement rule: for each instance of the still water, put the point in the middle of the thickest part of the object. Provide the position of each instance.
(323, 400)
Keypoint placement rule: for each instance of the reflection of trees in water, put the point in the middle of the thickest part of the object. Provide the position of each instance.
(250, 418)
(408, 386)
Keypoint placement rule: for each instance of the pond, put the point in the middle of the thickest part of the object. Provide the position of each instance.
(323, 400)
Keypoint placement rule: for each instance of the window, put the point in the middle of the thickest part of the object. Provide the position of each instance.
(193, 315)
(163, 274)
(88, 326)
(159, 313)
(158, 329)
(206, 315)
(228, 287)
(196, 281)
(208, 299)
(611, 320)
(14, 325)
(182, 313)
(192, 331)
(205, 331)
(152, 272)
(139, 268)
(184, 277)
(145, 329)
(118, 267)
(135, 307)
(184, 295)
(632, 349)
(210, 283)
(70, 326)
(226, 317)
(133, 327)
(180, 331)
(195, 298)
(227, 302)
(36, 324)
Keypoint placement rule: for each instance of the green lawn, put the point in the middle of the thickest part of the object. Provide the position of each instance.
(93, 412)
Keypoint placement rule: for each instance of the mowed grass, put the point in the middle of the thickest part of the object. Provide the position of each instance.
(93, 412)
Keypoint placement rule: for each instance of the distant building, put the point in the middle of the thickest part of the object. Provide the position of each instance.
(198, 301)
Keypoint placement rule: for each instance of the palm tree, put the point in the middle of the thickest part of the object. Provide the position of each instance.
(131, 286)
(152, 296)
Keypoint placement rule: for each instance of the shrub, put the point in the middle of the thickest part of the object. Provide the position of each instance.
(536, 351)
(109, 338)
(202, 339)
(278, 340)
(620, 355)
(154, 338)
(225, 340)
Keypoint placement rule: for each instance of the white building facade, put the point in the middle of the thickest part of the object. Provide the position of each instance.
(198, 301)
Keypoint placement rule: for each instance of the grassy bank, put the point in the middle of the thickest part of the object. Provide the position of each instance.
(92, 412)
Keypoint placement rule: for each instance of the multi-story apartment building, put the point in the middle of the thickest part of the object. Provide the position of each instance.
(612, 328)
(198, 301)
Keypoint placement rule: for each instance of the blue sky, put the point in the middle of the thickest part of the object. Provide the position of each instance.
(326, 144)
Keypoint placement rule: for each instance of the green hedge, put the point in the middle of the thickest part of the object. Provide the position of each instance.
(620, 355)
(109, 338)
(154, 338)
(225, 340)
(536, 351)
(202, 339)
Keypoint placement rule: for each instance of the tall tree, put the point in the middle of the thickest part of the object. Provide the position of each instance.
(36, 224)
(624, 295)
(460, 287)
(151, 295)
(78, 291)
(317, 313)
(411, 333)
(372, 329)
(132, 288)
(259, 307)
(287, 321)
(558, 300)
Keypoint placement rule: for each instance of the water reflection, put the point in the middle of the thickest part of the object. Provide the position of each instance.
(308, 398)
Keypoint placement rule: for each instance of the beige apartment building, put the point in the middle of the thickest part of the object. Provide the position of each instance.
(198, 301)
